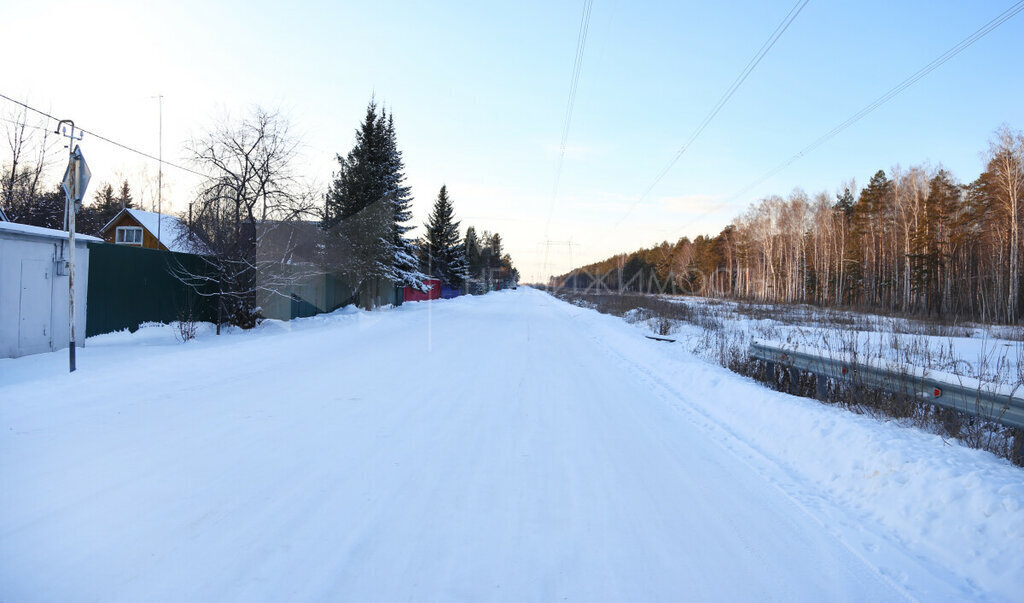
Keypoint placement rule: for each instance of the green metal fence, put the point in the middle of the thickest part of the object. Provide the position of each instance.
(307, 294)
(130, 285)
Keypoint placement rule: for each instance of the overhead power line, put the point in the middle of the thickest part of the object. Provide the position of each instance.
(744, 74)
(581, 43)
(574, 80)
(107, 140)
(22, 124)
(881, 100)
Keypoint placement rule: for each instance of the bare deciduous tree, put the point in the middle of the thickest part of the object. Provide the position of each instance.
(29, 145)
(1006, 177)
(246, 219)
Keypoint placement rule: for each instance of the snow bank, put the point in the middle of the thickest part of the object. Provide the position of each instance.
(959, 507)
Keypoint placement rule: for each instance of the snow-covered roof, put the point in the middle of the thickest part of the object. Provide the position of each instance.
(39, 231)
(171, 228)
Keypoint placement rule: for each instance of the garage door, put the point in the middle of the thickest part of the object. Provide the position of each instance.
(36, 289)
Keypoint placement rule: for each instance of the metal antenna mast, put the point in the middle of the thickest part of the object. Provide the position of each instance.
(160, 169)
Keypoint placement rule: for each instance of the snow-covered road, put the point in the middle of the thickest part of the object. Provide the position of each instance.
(508, 447)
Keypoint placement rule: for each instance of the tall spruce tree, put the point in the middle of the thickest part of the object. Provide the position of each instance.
(359, 181)
(103, 209)
(124, 199)
(474, 264)
(104, 200)
(444, 251)
(368, 204)
(403, 250)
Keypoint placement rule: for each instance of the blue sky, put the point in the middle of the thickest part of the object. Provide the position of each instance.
(479, 91)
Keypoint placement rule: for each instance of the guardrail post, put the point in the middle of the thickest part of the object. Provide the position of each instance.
(821, 384)
(770, 372)
(794, 381)
(1017, 452)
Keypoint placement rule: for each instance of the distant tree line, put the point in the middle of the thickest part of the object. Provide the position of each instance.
(913, 240)
(488, 264)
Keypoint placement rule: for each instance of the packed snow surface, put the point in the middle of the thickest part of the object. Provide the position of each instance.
(509, 447)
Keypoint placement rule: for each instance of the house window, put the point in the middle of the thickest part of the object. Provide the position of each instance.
(129, 235)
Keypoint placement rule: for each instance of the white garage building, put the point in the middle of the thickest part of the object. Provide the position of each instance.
(34, 289)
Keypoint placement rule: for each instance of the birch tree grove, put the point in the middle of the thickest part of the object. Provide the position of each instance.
(1005, 182)
(911, 241)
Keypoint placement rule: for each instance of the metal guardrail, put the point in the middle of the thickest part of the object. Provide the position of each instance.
(966, 396)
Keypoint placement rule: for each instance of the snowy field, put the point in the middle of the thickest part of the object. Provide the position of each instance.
(510, 447)
(992, 353)
(986, 358)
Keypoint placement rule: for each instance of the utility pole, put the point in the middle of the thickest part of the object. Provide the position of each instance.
(547, 248)
(76, 179)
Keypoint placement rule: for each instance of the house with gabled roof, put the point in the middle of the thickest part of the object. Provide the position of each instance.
(148, 230)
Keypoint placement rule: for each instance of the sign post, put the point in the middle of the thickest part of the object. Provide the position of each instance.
(76, 179)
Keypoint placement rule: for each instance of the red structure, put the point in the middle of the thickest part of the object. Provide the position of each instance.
(410, 295)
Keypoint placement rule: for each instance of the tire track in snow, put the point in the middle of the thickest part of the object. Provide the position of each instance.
(823, 510)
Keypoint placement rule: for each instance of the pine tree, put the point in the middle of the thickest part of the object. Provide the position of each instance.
(358, 182)
(442, 247)
(370, 186)
(472, 245)
(946, 218)
(474, 264)
(867, 230)
(124, 199)
(104, 208)
(496, 250)
(46, 210)
(845, 202)
(403, 250)
(104, 199)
